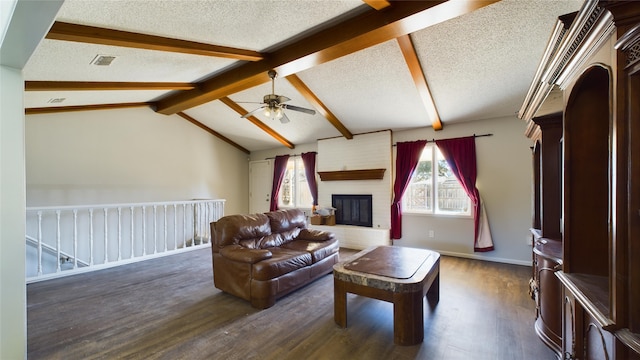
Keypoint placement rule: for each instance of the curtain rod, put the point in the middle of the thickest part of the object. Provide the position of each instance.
(292, 155)
(474, 135)
(428, 141)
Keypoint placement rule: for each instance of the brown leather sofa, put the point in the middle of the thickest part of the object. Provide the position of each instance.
(261, 257)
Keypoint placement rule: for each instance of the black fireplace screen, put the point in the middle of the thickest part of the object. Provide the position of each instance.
(353, 209)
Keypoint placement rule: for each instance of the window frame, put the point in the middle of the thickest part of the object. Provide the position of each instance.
(435, 157)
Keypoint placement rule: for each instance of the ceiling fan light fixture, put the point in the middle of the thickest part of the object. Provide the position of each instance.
(273, 105)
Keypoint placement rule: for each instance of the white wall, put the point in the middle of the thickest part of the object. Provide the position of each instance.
(12, 214)
(366, 151)
(504, 181)
(23, 24)
(129, 155)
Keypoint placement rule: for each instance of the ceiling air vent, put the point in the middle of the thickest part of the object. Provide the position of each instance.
(103, 60)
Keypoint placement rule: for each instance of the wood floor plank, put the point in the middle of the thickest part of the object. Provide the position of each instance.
(168, 308)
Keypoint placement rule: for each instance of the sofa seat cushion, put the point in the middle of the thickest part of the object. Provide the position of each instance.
(318, 249)
(282, 261)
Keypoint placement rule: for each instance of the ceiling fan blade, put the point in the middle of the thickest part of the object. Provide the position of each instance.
(282, 99)
(252, 112)
(298, 108)
(284, 119)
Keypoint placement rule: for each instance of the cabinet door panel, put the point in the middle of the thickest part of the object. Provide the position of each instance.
(569, 345)
(598, 344)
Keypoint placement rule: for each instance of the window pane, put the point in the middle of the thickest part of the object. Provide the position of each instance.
(287, 191)
(451, 196)
(419, 193)
(434, 188)
(294, 191)
(303, 194)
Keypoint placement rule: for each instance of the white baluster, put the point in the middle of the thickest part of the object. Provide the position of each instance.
(175, 227)
(39, 243)
(201, 212)
(106, 237)
(90, 237)
(132, 233)
(58, 241)
(184, 225)
(209, 219)
(75, 238)
(165, 227)
(155, 229)
(144, 230)
(119, 233)
(195, 223)
(205, 218)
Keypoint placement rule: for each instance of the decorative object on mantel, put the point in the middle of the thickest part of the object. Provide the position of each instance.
(365, 174)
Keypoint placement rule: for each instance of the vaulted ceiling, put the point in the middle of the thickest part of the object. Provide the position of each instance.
(362, 65)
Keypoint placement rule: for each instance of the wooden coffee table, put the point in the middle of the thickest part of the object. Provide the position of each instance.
(396, 274)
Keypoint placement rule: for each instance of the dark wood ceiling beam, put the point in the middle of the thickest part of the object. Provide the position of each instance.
(212, 132)
(103, 36)
(240, 110)
(319, 105)
(99, 86)
(377, 4)
(58, 109)
(225, 84)
(369, 28)
(417, 73)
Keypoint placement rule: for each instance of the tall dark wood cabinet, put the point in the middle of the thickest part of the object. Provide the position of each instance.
(592, 305)
(547, 238)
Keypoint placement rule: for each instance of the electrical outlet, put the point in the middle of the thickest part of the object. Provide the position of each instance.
(529, 240)
(430, 233)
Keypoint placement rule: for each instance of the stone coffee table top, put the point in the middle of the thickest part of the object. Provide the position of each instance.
(391, 268)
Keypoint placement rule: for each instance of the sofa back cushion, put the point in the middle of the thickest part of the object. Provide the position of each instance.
(245, 230)
(287, 224)
(284, 220)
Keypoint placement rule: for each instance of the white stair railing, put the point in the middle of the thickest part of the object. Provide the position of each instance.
(66, 240)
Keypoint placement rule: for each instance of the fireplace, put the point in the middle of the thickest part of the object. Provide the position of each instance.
(353, 209)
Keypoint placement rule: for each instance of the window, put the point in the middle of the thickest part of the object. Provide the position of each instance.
(294, 191)
(438, 193)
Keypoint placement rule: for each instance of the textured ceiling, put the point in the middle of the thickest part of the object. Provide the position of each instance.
(478, 65)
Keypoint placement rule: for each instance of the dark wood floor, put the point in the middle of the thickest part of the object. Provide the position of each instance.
(167, 308)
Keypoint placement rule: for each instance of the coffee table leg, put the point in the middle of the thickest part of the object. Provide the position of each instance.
(433, 294)
(408, 318)
(339, 303)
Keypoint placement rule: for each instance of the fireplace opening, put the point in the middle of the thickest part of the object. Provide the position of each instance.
(353, 209)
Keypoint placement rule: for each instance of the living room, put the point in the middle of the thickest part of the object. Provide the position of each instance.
(135, 154)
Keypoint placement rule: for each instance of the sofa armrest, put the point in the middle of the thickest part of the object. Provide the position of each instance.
(315, 235)
(242, 254)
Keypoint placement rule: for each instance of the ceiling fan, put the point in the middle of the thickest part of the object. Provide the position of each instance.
(273, 105)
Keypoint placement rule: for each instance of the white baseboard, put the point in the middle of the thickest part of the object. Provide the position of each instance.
(485, 258)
